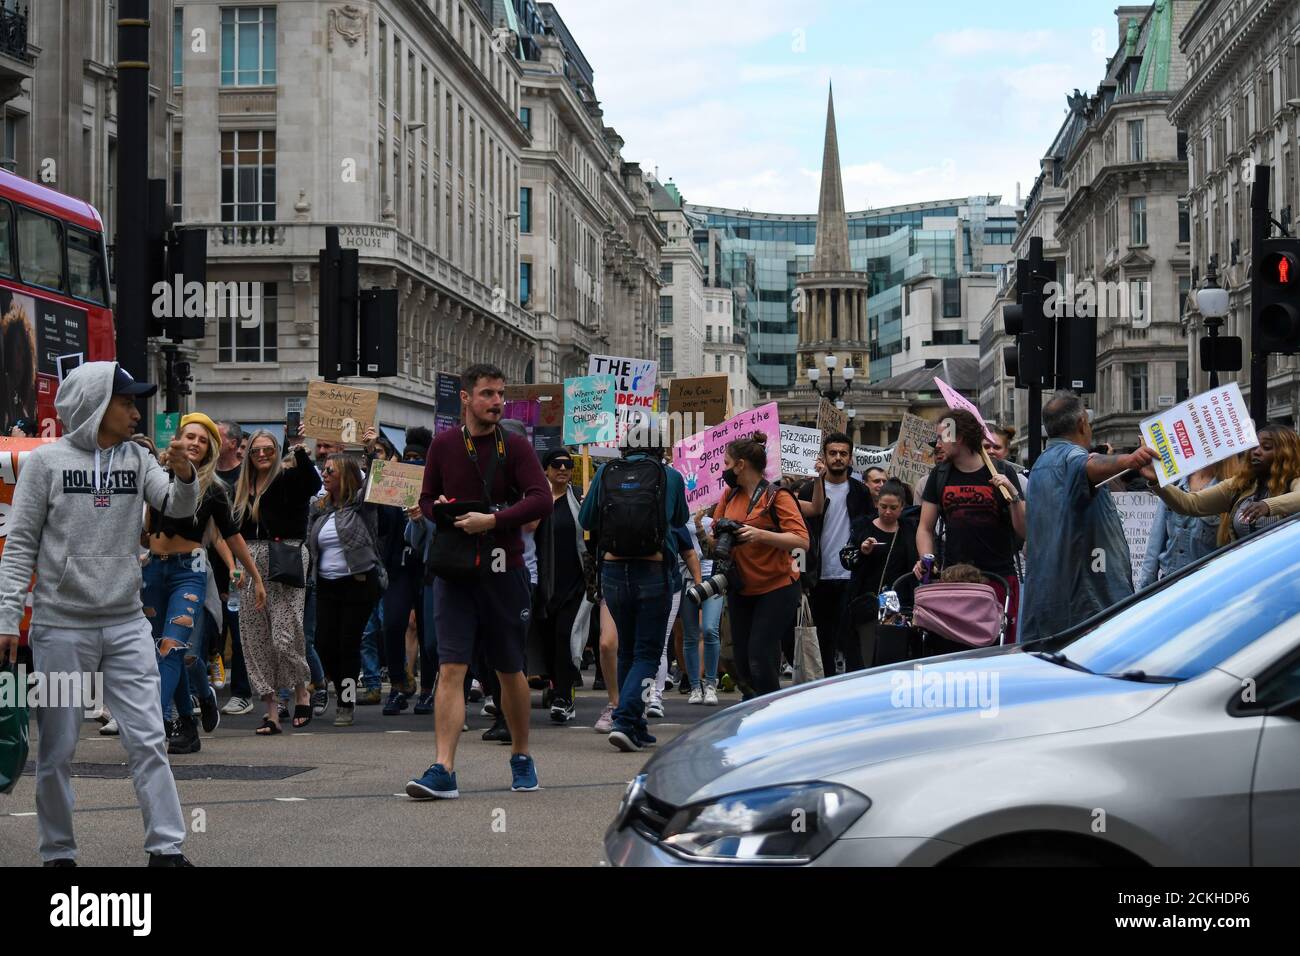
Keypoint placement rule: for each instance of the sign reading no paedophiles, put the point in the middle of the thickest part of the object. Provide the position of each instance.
(913, 457)
(831, 419)
(393, 483)
(1137, 511)
(700, 458)
(1205, 429)
(589, 409)
(799, 450)
(637, 387)
(339, 413)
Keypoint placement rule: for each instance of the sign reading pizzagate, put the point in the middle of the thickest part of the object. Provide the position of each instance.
(799, 450)
(1203, 430)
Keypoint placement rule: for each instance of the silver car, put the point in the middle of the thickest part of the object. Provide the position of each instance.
(1165, 731)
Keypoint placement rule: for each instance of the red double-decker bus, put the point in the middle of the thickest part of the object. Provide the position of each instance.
(55, 310)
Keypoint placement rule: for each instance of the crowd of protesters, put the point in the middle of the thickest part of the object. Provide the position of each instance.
(509, 577)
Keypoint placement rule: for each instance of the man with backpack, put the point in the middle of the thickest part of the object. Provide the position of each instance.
(631, 509)
(481, 590)
(831, 504)
(980, 526)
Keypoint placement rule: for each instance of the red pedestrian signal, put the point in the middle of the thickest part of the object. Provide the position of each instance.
(1275, 297)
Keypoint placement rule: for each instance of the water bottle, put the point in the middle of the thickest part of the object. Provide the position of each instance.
(232, 596)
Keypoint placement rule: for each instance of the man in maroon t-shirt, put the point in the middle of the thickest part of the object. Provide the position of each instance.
(491, 604)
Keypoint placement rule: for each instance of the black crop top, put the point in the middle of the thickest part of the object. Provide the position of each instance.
(214, 506)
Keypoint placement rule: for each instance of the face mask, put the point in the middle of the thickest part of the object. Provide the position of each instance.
(729, 476)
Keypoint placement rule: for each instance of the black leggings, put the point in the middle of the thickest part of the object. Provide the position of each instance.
(555, 628)
(760, 624)
(405, 592)
(343, 606)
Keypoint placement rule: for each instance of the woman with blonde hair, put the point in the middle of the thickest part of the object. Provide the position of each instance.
(1264, 490)
(271, 505)
(343, 541)
(176, 578)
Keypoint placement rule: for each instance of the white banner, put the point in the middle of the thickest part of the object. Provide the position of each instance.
(869, 456)
(1137, 510)
(799, 450)
(1205, 429)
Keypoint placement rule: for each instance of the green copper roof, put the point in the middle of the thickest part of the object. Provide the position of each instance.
(1153, 77)
(671, 188)
(1131, 38)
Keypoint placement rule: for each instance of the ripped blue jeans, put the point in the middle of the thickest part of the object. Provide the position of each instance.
(174, 588)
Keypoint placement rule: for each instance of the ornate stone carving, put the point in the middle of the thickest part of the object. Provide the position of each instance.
(350, 22)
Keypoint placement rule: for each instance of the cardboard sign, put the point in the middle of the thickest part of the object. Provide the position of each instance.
(339, 413)
(706, 395)
(164, 427)
(831, 419)
(637, 387)
(393, 483)
(12, 453)
(549, 398)
(447, 413)
(1205, 429)
(954, 400)
(589, 409)
(700, 458)
(799, 450)
(870, 456)
(1137, 511)
(913, 458)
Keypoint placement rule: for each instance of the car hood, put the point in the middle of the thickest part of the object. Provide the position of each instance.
(817, 730)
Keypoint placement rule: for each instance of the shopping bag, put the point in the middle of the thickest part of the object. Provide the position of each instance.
(14, 738)
(807, 652)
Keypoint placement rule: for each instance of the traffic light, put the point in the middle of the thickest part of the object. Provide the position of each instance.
(378, 333)
(1013, 320)
(337, 325)
(1032, 360)
(177, 259)
(187, 262)
(1275, 288)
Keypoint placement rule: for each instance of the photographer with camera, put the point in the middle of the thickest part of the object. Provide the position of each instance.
(755, 527)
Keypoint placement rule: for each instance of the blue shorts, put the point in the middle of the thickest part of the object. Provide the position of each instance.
(493, 607)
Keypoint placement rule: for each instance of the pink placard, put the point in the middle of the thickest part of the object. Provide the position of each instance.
(955, 400)
(700, 457)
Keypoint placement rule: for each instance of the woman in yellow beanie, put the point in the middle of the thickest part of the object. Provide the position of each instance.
(176, 578)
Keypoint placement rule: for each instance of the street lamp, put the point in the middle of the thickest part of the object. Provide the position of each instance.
(830, 392)
(1213, 303)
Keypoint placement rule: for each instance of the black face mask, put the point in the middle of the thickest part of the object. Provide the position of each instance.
(729, 476)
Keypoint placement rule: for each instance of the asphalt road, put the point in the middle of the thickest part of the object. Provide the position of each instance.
(338, 798)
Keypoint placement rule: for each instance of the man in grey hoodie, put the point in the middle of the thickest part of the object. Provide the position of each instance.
(76, 522)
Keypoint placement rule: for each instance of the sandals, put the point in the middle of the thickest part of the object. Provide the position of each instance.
(269, 728)
(301, 712)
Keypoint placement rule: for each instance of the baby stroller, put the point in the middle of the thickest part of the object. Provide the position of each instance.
(925, 620)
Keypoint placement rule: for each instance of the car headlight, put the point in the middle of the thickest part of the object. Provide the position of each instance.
(786, 824)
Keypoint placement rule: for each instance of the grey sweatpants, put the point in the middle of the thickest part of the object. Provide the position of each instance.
(125, 655)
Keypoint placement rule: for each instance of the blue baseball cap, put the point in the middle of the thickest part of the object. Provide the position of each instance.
(124, 384)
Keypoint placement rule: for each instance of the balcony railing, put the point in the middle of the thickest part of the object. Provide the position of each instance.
(13, 33)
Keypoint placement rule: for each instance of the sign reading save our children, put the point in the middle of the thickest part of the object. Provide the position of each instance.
(1205, 429)
(700, 458)
(589, 409)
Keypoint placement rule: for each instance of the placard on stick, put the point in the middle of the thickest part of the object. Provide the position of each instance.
(831, 419)
(339, 413)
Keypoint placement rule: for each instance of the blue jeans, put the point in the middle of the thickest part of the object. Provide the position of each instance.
(173, 604)
(309, 629)
(707, 626)
(639, 597)
(370, 678)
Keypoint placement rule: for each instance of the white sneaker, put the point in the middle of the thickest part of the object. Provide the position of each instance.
(237, 706)
(655, 705)
(710, 696)
(109, 729)
(697, 696)
(787, 672)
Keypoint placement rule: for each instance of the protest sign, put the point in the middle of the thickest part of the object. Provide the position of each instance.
(705, 395)
(913, 457)
(869, 456)
(637, 387)
(831, 419)
(393, 483)
(447, 412)
(339, 413)
(13, 453)
(165, 425)
(955, 399)
(799, 450)
(1137, 511)
(700, 457)
(589, 409)
(1205, 429)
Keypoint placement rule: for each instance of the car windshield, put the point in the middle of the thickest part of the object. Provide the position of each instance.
(1201, 619)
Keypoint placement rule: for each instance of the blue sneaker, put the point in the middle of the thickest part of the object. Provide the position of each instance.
(645, 739)
(627, 740)
(523, 773)
(436, 784)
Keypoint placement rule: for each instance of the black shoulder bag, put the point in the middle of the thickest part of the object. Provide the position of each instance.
(283, 560)
(454, 553)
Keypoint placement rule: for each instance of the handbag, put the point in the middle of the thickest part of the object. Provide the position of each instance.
(284, 564)
(14, 731)
(807, 652)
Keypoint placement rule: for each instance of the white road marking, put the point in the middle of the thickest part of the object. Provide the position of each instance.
(397, 731)
(31, 814)
(291, 799)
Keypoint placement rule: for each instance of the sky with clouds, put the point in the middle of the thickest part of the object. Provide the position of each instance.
(933, 98)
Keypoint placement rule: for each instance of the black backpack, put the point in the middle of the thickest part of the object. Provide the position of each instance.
(633, 514)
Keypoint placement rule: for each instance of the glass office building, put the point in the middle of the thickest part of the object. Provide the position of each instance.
(760, 255)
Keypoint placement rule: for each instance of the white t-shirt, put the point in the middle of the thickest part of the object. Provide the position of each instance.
(835, 531)
(333, 564)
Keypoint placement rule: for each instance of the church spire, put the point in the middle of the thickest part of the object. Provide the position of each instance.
(832, 251)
